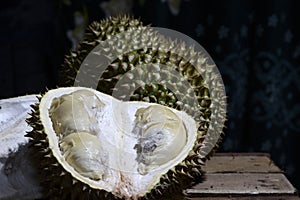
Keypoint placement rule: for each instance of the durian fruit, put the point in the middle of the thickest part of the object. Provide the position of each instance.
(122, 58)
(99, 147)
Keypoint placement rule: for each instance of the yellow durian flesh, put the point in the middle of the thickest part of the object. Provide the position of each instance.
(107, 150)
(162, 136)
(71, 113)
(84, 153)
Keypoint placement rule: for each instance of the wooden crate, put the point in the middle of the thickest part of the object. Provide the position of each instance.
(243, 176)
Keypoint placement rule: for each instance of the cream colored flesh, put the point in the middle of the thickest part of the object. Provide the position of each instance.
(120, 147)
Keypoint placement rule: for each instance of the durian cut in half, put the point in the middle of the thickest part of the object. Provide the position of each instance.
(104, 148)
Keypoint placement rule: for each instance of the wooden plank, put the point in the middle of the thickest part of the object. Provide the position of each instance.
(241, 163)
(252, 197)
(243, 183)
(243, 176)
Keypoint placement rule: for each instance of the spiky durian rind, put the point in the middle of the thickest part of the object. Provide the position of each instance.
(96, 32)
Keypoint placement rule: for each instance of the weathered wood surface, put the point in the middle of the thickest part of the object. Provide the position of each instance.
(243, 176)
(256, 197)
(241, 163)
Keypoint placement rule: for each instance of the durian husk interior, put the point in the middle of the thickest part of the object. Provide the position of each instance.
(120, 147)
(208, 112)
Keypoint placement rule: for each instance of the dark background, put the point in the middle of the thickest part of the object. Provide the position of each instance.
(255, 45)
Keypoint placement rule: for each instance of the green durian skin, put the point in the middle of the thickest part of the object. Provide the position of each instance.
(154, 93)
(58, 183)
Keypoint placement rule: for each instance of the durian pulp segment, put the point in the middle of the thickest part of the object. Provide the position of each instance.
(84, 152)
(104, 142)
(162, 135)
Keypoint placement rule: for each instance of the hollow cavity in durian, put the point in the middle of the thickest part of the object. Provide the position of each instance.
(120, 147)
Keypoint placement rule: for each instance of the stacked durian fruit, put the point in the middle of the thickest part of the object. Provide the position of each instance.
(153, 118)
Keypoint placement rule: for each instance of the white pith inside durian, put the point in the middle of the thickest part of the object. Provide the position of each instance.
(120, 147)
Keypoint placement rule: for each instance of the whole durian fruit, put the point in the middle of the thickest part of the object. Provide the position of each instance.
(152, 124)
